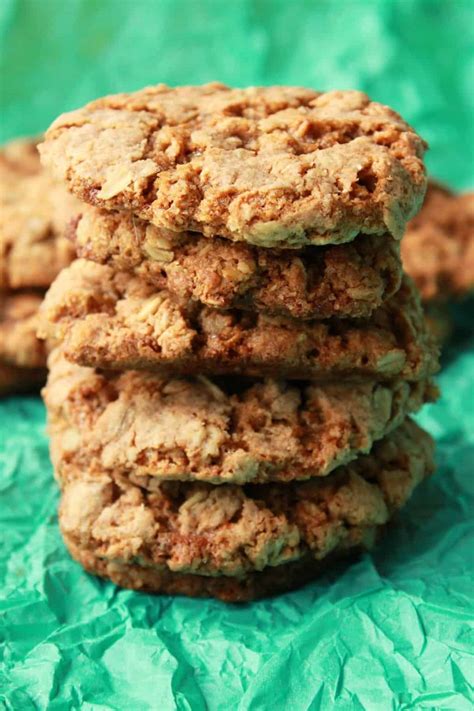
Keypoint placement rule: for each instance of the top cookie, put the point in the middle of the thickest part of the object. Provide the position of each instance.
(34, 214)
(438, 247)
(273, 166)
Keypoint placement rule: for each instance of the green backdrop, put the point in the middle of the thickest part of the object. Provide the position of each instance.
(392, 631)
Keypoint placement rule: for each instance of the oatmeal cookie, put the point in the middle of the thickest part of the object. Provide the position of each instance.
(148, 428)
(34, 215)
(317, 282)
(238, 543)
(22, 355)
(273, 166)
(18, 323)
(113, 320)
(438, 247)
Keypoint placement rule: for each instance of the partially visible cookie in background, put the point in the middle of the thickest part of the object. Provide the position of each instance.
(34, 216)
(438, 253)
(22, 355)
(438, 247)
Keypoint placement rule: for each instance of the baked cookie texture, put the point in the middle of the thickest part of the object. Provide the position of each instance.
(438, 247)
(22, 355)
(34, 215)
(147, 428)
(273, 166)
(348, 280)
(113, 320)
(238, 543)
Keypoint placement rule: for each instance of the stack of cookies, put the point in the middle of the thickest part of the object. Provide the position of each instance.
(238, 350)
(34, 213)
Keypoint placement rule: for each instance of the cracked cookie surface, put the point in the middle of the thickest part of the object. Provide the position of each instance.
(34, 214)
(147, 428)
(274, 166)
(113, 320)
(237, 543)
(317, 282)
(438, 246)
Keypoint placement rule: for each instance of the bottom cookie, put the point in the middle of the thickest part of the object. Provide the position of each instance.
(238, 543)
(255, 586)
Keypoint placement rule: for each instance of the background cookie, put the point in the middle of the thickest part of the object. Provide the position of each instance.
(18, 323)
(34, 215)
(438, 247)
(22, 355)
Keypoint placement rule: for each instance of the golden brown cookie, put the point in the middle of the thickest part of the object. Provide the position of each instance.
(113, 320)
(34, 215)
(317, 282)
(22, 355)
(438, 247)
(148, 428)
(238, 543)
(273, 166)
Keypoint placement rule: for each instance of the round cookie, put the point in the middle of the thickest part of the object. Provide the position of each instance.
(273, 166)
(438, 246)
(148, 429)
(113, 320)
(238, 543)
(349, 280)
(34, 215)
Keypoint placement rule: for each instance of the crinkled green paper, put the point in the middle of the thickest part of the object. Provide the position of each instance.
(391, 631)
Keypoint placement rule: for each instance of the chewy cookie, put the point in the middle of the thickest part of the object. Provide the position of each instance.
(34, 214)
(112, 320)
(438, 247)
(147, 428)
(317, 282)
(238, 543)
(274, 166)
(22, 355)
